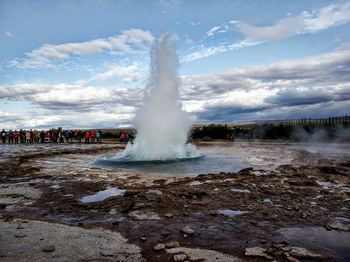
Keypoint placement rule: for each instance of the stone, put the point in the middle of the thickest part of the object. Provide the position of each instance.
(257, 252)
(50, 248)
(300, 252)
(337, 225)
(159, 247)
(142, 238)
(71, 243)
(285, 242)
(131, 192)
(187, 230)
(197, 254)
(168, 215)
(244, 170)
(20, 235)
(141, 215)
(172, 244)
(180, 257)
(165, 233)
(291, 259)
(20, 226)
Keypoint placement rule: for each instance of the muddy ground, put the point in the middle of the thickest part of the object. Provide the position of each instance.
(295, 209)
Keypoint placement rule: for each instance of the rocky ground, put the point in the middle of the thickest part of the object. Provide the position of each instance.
(293, 207)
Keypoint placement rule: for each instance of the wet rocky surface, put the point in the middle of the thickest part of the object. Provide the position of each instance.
(292, 204)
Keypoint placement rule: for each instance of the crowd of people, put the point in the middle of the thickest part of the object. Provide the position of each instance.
(50, 136)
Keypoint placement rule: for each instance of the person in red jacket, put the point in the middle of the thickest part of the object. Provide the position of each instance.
(16, 136)
(86, 136)
(92, 136)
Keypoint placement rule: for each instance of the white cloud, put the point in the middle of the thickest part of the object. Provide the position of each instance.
(214, 50)
(306, 22)
(223, 28)
(297, 86)
(195, 23)
(284, 28)
(45, 56)
(328, 16)
(212, 31)
(129, 73)
(11, 35)
(290, 88)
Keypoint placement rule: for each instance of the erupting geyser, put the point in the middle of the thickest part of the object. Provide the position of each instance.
(162, 127)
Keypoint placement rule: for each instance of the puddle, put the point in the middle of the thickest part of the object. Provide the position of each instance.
(318, 237)
(102, 195)
(230, 213)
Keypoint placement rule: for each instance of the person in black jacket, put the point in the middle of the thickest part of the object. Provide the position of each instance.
(3, 135)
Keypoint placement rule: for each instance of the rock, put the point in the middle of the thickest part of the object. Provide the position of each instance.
(187, 230)
(141, 215)
(337, 225)
(20, 235)
(71, 243)
(154, 191)
(196, 254)
(263, 241)
(291, 259)
(131, 192)
(244, 170)
(172, 244)
(300, 252)
(257, 252)
(180, 257)
(285, 242)
(20, 226)
(213, 213)
(168, 215)
(2, 205)
(159, 247)
(142, 238)
(165, 233)
(48, 248)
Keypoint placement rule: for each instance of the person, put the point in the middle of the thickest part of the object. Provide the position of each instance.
(3, 136)
(31, 136)
(28, 136)
(86, 136)
(61, 137)
(122, 137)
(66, 135)
(76, 135)
(47, 137)
(16, 136)
(22, 137)
(35, 136)
(92, 136)
(98, 136)
(10, 135)
(131, 137)
(42, 137)
(79, 136)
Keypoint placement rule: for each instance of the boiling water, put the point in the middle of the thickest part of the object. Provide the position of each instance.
(162, 127)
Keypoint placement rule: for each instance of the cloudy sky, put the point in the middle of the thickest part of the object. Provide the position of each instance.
(85, 63)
